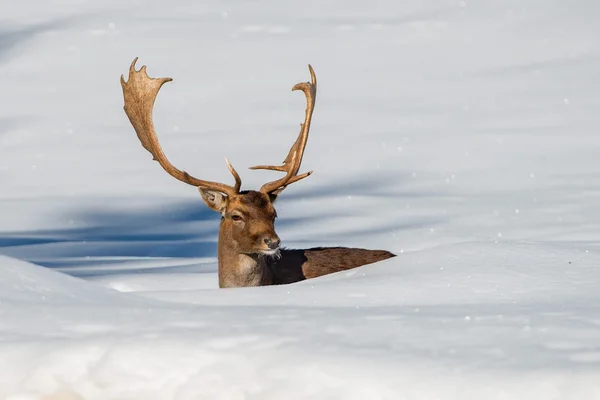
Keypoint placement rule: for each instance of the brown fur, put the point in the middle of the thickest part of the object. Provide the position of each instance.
(241, 250)
(297, 265)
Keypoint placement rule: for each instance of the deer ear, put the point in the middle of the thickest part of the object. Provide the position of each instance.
(216, 201)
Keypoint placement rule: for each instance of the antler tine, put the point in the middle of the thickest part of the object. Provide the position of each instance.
(236, 176)
(291, 164)
(139, 93)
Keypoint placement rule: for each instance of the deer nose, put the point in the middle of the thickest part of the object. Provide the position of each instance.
(272, 243)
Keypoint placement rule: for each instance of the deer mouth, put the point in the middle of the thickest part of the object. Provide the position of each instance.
(274, 253)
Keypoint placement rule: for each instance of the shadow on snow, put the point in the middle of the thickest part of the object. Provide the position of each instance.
(189, 229)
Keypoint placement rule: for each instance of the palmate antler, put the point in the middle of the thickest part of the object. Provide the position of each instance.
(291, 164)
(140, 92)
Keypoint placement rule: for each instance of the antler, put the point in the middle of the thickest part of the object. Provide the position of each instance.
(140, 93)
(291, 164)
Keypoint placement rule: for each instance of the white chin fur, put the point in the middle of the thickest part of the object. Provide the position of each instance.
(271, 253)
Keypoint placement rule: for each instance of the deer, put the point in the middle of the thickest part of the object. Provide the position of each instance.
(249, 251)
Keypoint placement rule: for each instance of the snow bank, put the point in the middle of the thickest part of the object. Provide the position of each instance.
(462, 136)
(376, 332)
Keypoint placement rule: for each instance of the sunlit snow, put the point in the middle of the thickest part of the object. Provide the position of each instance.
(463, 136)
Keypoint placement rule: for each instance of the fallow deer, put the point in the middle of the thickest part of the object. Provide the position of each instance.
(249, 252)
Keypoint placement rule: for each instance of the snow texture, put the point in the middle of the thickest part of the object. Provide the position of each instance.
(461, 135)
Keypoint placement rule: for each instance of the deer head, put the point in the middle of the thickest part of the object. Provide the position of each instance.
(247, 217)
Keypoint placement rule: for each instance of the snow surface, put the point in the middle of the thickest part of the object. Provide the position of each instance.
(461, 135)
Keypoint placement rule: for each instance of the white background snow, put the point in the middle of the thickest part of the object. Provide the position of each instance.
(462, 135)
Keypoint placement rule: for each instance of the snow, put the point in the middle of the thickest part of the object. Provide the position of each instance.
(463, 136)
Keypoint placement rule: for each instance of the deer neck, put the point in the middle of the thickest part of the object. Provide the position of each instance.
(237, 269)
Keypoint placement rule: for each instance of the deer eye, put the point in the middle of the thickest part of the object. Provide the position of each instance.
(236, 217)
